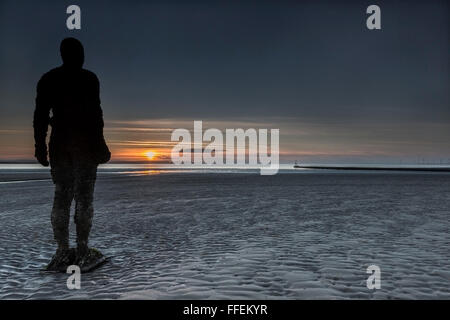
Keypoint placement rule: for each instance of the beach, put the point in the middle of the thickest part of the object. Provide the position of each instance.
(236, 235)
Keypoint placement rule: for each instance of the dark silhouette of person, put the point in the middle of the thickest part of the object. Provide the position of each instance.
(76, 146)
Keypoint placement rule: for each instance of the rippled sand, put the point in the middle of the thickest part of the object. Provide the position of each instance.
(239, 236)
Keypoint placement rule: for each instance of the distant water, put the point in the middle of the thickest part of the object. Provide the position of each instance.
(235, 234)
(16, 173)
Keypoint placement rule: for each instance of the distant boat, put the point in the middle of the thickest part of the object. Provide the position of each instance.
(296, 165)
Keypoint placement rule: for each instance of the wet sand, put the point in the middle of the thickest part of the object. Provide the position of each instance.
(239, 236)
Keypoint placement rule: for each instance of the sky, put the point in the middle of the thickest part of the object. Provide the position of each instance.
(338, 92)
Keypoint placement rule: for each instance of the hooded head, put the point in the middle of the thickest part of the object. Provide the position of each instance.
(72, 53)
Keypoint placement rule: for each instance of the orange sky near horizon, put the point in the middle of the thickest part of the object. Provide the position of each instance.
(131, 140)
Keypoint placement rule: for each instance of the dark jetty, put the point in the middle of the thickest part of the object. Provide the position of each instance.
(372, 168)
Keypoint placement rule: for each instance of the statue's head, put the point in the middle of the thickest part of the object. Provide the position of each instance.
(72, 53)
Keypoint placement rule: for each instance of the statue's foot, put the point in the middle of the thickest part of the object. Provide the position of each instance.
(89, 259)
(61, 260)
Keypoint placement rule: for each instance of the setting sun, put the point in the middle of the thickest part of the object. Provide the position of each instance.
(150, 155)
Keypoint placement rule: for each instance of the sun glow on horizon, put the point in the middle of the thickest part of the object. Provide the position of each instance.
(150, 154)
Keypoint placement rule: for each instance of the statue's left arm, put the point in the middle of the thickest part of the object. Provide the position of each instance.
(41, 121)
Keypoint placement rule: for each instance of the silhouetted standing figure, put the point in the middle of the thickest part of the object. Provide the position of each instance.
(76, 146)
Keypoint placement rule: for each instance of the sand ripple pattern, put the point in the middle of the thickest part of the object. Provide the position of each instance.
(240, 236)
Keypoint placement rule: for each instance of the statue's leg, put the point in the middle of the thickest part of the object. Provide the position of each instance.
(85, 176)
(64, 193)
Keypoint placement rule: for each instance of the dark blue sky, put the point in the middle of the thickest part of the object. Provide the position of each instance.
(334, 88)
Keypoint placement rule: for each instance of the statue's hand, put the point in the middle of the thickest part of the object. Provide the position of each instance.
(41, 155)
